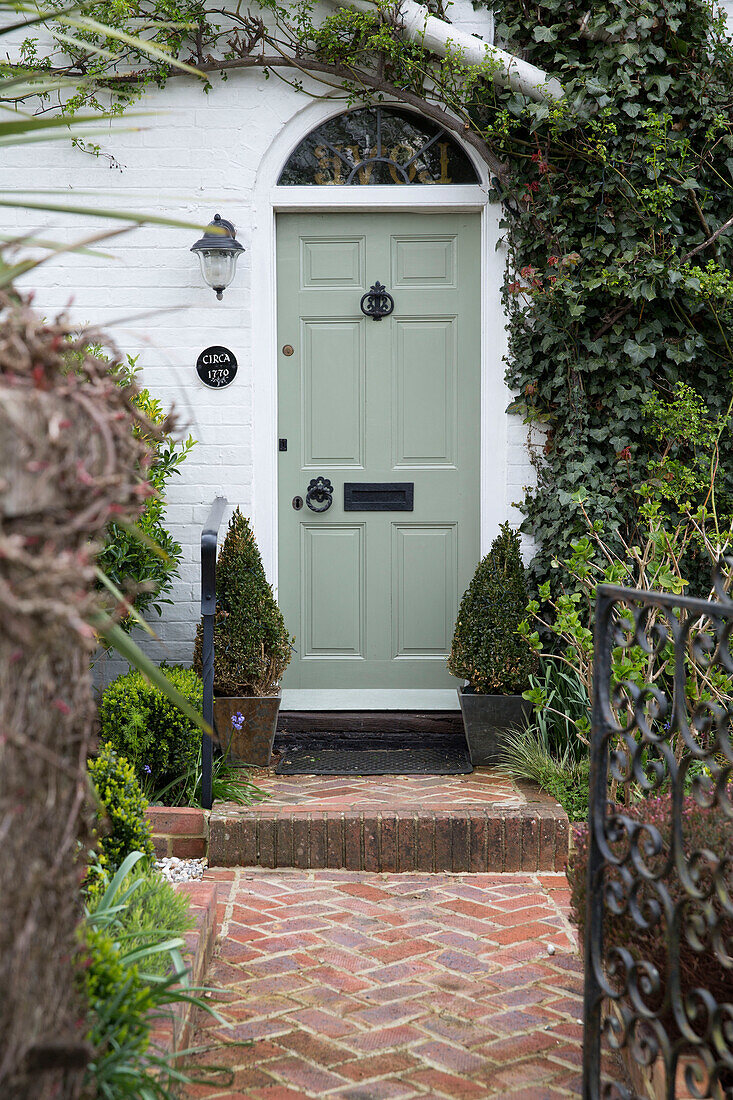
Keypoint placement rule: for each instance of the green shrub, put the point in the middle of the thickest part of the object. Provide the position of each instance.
(526, 756)
(701, 930)
(119, 1000)
(130, 988)
(122, 825)
(154, 911)
(252, 647)
(146, 566)
(486, 650)
(138, 721)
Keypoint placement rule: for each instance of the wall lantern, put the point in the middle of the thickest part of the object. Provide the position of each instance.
(218, 250)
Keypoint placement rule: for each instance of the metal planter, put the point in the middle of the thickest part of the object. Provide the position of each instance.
(252, 744)
(486, 719)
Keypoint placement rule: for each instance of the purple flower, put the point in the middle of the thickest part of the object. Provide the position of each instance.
(147, 769)
(238, 720)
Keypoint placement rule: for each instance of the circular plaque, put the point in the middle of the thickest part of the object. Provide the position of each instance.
(216, 367)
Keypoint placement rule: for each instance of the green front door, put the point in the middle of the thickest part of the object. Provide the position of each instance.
(388, 411)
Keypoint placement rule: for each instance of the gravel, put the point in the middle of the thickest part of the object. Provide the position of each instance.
(181, 870)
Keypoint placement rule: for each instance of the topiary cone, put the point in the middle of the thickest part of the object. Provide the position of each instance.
(252, 647)
(486, 649)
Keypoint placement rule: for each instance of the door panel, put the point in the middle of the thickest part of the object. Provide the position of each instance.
(425, 361)
(423, 560)
(332, 595)
(421, 262)
(332, 378)
(372, 596)
(329, 263)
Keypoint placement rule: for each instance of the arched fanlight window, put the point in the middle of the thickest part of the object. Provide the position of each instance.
(378, 145)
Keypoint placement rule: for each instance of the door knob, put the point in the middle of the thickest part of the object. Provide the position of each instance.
(319, 497)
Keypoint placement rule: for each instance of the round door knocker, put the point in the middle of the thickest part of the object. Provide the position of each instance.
(377, 302)
(319, 497)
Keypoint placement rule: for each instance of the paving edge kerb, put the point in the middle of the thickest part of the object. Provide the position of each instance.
(534, 837)
(175, 1033)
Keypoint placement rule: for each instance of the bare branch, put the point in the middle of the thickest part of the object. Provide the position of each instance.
(709, 241)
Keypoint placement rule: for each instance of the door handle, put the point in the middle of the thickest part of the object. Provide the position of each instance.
(319, 497)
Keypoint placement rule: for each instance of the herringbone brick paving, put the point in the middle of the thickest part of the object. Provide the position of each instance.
(482, 787)
(362, 986)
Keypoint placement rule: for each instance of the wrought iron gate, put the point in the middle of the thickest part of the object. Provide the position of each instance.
(659, 912)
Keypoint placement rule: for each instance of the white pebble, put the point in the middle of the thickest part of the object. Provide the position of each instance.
(175, 869)
(550, 949)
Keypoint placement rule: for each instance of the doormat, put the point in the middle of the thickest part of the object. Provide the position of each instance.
(423, 760)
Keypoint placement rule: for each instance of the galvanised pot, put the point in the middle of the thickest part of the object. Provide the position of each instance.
(252, 744)
(487, 718)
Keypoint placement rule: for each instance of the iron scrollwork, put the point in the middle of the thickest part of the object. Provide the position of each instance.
(659, 889)
(377, 302)
(319, 497)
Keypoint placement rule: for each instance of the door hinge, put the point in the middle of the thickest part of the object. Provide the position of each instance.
(282, 445)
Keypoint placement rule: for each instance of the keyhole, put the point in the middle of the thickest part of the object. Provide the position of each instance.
(297, 503)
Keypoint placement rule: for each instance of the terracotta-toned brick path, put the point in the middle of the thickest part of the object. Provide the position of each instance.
(439, 792)
(379, 986)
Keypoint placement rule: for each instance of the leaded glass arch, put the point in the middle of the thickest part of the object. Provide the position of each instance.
(378, 145)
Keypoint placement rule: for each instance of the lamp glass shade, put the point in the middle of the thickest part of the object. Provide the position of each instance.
(218, 266)
(218, 251)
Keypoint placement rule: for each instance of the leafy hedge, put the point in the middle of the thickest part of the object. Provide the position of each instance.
(143, 561)
(610, 197)
(138, 721)
(121, 823)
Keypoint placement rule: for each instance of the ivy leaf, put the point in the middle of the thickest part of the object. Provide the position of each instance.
(638, 353)
(594, 86)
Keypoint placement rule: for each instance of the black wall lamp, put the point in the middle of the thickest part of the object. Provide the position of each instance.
(218, 250)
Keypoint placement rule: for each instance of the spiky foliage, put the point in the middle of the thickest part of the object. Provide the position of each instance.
(252, 647)
(486, 649)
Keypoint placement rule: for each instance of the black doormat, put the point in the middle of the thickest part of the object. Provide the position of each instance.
(414, 760)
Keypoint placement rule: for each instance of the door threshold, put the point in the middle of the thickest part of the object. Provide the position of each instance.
(379, 725)
(414, 699)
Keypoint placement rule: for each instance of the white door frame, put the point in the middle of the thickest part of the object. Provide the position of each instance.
(268, 201)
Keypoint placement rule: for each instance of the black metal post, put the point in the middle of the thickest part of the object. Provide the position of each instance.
(209, 536)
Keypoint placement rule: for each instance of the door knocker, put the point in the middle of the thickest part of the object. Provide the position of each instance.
(319, 497)
(379, 302)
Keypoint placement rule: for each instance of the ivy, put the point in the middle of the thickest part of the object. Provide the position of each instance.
(620, 182)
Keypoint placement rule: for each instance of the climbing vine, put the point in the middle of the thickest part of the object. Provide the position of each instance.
(621, 284)
(618, 200)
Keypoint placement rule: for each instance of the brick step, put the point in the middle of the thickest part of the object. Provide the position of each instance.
(178, 831)
(529, 837)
